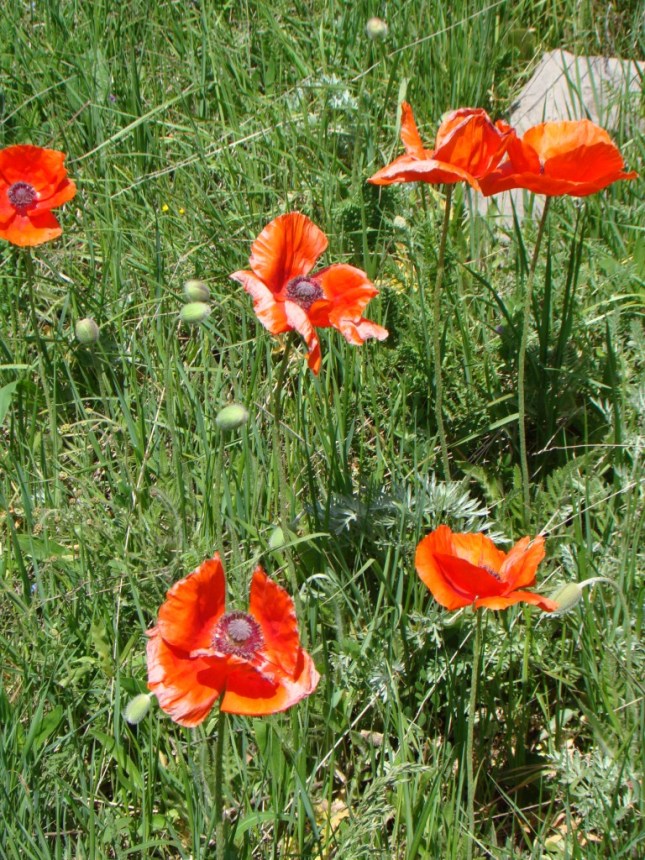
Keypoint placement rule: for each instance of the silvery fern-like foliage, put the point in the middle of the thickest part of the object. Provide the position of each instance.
(420, 504)
(601, 789)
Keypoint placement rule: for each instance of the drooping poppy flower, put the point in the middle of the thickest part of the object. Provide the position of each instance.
(287, 297)
(574, 157)
(468, 570)
(32, 182)
(468, 146)
(198, 652)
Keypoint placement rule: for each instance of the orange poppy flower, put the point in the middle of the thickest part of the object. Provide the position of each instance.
(32, 182)
(468, 570)
(287, 297)
(574, 157)
(198, 652)
(468, 146)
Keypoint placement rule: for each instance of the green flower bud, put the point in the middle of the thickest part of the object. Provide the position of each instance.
(376, 29)
(276, 538)
(196, 291)
(194, 312)
(567, 596)
(86, 331)
(399, 223)
(231, 417)
(137, 708)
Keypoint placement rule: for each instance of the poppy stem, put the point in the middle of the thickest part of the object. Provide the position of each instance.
(31, 280)
(470, 773)
(436, 335)
(220, 832)
(521, 365)
(282, 503)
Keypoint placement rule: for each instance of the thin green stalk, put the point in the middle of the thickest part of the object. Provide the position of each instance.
(31, 281)
(436, 335)
(220, 830)
(45, 370)
(521, 368)
(281, 500)
(470, 773)
(520, 745)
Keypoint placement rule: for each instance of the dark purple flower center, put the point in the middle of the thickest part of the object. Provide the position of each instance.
(237, 633)
(303, 291)
(22, 195)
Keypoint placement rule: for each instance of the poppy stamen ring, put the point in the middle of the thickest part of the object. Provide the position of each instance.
(237, 633)
(22, 195)
(303, 291)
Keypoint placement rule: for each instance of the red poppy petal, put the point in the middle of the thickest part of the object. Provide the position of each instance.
(431, 574)
(298, 319)
(545, 603)
(270, 312)
(574, 157)
(186, 688)
(407, 168)
(358, 332)
(409, 132)
(472, 143)
(42, 168)
(456, 120)
(467, 579)
(31, 229)
(521, 564)
(554, 186)
(64, 192)
(502, 179)
(250, 693)
(193, 606)
(478, 549)
(273, 609)
(346, 286)
(7, 209)
(288, 246)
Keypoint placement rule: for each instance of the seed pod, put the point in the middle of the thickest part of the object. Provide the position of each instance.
(232, 417)
(196, 291)
(194, 312)
(86, 330)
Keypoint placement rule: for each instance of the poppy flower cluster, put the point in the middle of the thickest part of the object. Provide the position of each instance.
(574, 157)
(252, 661)
(287, 296)
(33, 181)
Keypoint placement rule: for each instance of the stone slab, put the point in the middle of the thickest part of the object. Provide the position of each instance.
(606, 90)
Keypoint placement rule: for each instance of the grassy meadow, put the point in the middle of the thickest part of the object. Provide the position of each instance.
(188, 126)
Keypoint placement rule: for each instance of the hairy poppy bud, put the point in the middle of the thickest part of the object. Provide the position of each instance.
(231, 417)
(376, 29)
(137, 708)
(196, 291)
(399, 223)
(86, 331)
(567, 596)
(194, 312)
